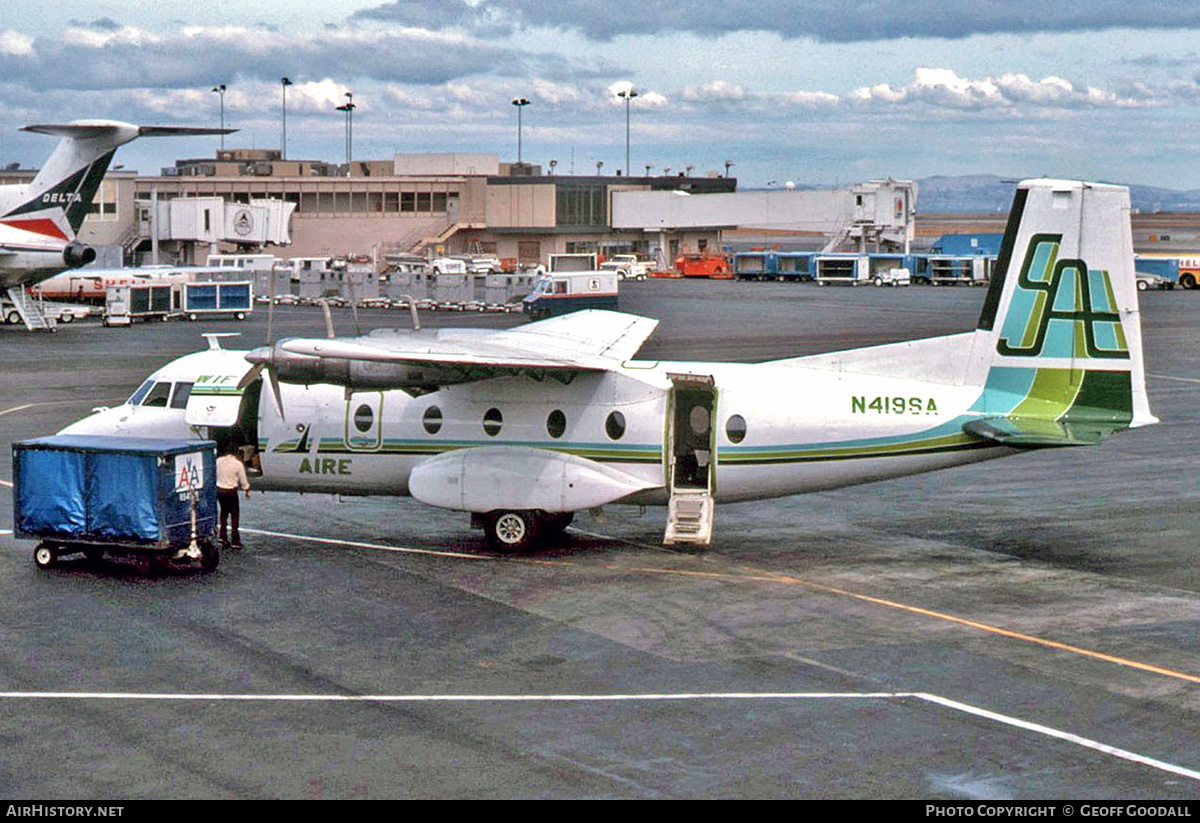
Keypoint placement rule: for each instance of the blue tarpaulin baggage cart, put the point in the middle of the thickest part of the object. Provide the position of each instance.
(150, 499)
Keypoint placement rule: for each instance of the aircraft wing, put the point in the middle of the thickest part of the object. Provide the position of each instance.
(1038, 433)
(559, 347)
(604, 334)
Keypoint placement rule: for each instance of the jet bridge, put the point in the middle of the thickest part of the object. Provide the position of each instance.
(864, 217)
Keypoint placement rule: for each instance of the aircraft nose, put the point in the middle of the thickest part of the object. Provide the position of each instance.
(107, 422)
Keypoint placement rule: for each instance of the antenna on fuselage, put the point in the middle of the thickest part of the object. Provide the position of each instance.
(214, 338)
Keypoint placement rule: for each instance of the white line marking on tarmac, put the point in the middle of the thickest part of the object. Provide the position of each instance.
(1061, 735)
(6, 483)
(17, 409)
(376, 546)
(933, 699)
(1171, 377)
(785, 579)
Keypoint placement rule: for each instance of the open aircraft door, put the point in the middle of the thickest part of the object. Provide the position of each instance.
(691, 452)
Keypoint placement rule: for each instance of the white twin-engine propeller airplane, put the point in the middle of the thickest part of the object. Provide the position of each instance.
(524, 427)
(39, 220)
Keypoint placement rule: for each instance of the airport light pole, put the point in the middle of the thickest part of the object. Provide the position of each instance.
(220, 90)
(284, 82)
(628, 94)
(348, 107)
(520, 103)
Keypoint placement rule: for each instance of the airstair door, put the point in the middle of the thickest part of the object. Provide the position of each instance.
(28, 310)
(691, 450)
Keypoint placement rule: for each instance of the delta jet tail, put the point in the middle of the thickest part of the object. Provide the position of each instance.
(40, 220)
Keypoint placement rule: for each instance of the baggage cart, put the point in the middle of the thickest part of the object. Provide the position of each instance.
(218, 298)
(149, 499)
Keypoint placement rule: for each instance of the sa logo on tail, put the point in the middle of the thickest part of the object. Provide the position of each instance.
(1061, 308)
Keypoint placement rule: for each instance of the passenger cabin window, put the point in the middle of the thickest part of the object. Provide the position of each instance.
(614, 425)
(492, 421)
(432, 420)
(158, 395)
(364, 418)
(182, 392)
(556, 424)
(735, 428)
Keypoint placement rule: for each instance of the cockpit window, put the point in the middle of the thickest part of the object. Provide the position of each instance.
(182, 392)
(137, 396)
(158, 395)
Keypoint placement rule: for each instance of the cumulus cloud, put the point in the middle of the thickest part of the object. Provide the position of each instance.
(16, 43)
(715, 91)
(828, 20)
(728, 94)
(945, 88)
(642, 98)
(129, 57)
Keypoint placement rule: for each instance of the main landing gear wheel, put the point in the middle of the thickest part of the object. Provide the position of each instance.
(45, 556)
(512, 531)
(555, 524)
(210, 557)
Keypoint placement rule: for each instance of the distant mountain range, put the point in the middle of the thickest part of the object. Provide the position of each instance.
(990, 193)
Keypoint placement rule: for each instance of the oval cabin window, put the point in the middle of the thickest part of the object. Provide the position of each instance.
(432, 420)
(556, 424)
(614, 426)
(363, 418)
(492, 421)
(735, 428)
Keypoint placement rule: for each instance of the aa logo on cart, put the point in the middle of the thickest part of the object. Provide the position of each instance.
(189, 472)
(1061, 308)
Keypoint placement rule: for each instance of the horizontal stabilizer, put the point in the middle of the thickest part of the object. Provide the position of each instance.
(491, 478)
(84, 129)
(1034, 433)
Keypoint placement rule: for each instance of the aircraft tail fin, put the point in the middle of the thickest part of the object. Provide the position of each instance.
(1060, 332)
(60, 196)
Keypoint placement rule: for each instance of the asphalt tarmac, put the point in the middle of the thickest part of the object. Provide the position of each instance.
(1017, 629)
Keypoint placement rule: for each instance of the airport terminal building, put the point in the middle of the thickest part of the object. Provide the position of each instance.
(428, 204)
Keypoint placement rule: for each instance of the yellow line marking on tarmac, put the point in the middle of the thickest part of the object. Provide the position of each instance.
(790, 580)
(785, 580)
(924, 697)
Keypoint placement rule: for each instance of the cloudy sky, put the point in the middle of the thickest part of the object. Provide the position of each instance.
(815, 91)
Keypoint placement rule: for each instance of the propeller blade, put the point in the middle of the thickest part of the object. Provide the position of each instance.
(263, 359)
(275, 390)
(252, 375)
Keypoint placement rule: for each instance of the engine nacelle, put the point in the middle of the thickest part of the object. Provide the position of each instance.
(77, 254)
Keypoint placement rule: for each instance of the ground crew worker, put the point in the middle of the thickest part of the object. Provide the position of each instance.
(231, 476)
